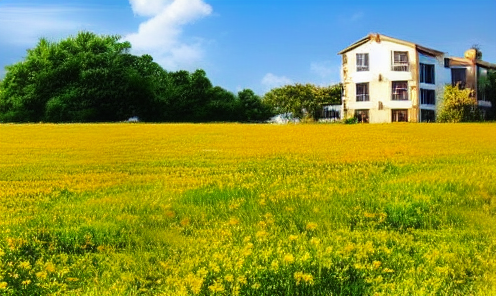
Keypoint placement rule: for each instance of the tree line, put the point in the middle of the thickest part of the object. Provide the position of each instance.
(93, 78)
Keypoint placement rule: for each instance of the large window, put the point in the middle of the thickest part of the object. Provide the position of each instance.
(427, 96)
(362, 61)
(328, 112)
(399, 61)
(427, 115)
(427, 73)
(399, 91)
(362, 116)
(399, 115)
(459, 77)
(362, 92)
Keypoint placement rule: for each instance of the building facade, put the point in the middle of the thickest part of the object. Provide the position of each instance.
(390, 80)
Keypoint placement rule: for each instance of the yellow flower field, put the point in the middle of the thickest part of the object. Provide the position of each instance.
(237, 209)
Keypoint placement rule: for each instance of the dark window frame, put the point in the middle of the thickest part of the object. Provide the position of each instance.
(399, 91)
(400, 61)
(427, 115)
(427, 96)
(427, 73)
(459, 77)
(364, 65)
(399, 115)
(362, 115)
(362, 92)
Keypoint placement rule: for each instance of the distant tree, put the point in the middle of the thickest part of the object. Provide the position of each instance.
(458, 105)
(302, 100)
(251, 107)
(83, 78)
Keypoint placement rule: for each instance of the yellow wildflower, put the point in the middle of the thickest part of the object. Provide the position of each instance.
(3, 285)
(229, 278)
(216, 287)
(376, 264)
(311, 226)
(288, 259)
(303, 277)
(293, 237)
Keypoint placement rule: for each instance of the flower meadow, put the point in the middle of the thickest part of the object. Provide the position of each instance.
(239, 209)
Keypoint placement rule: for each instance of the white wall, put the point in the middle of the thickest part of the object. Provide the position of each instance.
(379, 77)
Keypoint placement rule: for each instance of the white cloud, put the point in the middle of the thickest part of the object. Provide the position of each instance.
(161, 35)
(270, 81)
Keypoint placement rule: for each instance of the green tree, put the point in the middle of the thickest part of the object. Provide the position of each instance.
(83, 78)
(458, 105)
(251, 107)
(302, 100)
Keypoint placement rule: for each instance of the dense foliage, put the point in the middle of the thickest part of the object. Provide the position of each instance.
(303, 100)
(91, 78)
(458, 105)
(487, 85)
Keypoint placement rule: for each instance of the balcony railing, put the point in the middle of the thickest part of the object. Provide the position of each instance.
(400, 66)
(362, 98)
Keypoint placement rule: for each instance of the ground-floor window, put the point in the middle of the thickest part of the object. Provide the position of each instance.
(427, 115)
(331, 114)
(362, 116)
(399, 115)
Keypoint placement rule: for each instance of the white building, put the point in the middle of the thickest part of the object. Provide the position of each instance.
(390, 80)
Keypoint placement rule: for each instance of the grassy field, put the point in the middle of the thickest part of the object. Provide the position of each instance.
(232, 209)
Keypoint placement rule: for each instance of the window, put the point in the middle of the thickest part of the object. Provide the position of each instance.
(400, 91)
(459, 77)
(400, 115)
(427, 96)
(427, 74)
(400, 61)
(362, 61)
(362, 116)
(362, 92)
(427, 115)
(329, 113)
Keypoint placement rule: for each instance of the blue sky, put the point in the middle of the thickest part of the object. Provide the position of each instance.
(252, 44)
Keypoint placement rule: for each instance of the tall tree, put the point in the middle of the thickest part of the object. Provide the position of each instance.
(83, 78)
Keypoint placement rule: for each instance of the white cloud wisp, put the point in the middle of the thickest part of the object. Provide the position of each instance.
(270, 81)
(161, 35)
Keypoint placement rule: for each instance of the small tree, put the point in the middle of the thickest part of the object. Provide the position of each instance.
(458, 105)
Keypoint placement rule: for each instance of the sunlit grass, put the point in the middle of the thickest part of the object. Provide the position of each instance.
(231, 209)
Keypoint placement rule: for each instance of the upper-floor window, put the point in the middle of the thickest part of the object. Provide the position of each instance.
(427, 96)
(362, 61)
(459, 77)
(362, 92)
(399, 91)
(399, 61)
(427, 73)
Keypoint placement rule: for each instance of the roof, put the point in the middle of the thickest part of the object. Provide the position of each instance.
(379, 37)
(454, 61)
